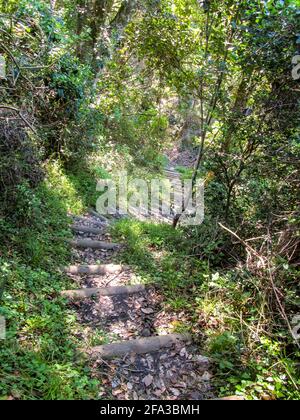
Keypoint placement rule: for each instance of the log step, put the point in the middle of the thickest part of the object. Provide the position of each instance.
(88, 243)
(106, 291)
(102, 269)
(99, 216)
(172, 178)
(172, 174)
(83, 219)
(139, 346)
(87, 229)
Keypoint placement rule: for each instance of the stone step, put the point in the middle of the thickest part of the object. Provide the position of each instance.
(105, 291)
(89, 243)
(100, 269)
(139, 346)
(87, 229)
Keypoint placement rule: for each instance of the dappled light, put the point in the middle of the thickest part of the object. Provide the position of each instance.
(149, 212)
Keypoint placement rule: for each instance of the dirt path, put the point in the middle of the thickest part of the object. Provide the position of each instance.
(141, 358)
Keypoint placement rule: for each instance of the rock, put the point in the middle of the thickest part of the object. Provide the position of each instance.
(202, 360)
(115, 383)
(146, 332)
(183, 352)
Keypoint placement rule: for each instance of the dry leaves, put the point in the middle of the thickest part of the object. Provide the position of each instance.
(169, 374)
(148, 380)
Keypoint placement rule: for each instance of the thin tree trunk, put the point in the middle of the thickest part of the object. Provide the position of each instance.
(52, 5)
(209, 118)
(81, 15)
(194, 178)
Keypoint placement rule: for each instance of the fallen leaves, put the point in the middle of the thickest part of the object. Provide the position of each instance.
(148, 380)
(170, 374)
(147, 311)
(175, 392)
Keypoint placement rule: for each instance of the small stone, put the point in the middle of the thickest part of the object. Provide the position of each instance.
(183, 352)
(203, 360)
(146, 332)
(115, 383)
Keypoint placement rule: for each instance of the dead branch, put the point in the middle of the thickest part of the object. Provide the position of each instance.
(18, 111)
(282, 312)
(246, 245)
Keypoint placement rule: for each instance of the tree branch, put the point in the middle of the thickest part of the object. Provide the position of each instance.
(18, 111)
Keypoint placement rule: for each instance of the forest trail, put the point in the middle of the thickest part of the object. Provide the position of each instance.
(158, 215)
(132, 93)
(143, 358)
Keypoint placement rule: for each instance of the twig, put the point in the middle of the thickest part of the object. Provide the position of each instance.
(277, 293)
(116, 276)
(16, 64)
(18, 111)
(261, 258)
(281, 308)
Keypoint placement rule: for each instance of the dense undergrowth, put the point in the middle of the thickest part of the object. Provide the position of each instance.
(108, 86)
(225, 310)
(40, 357)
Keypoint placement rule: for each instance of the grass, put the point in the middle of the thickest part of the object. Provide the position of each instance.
(158, 254)
(40, 357)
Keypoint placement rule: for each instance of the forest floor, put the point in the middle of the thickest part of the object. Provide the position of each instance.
(154, 289)
(171, 372)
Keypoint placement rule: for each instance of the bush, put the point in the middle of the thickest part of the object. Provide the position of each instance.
(20, 163)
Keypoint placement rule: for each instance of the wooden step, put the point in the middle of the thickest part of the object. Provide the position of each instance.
(139, 346)
(87, 229)
(99, 216)
(144, 214)
(104, 291)
(172, 174)
(89, 243)
(84, 219)
(102, 269)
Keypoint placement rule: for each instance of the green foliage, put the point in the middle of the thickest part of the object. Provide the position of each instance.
(91, 89)
(19, 164)
(40, 357)
(225, 311)
(142, 236)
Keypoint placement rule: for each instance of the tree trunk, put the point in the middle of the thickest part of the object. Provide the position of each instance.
(52, 5)
(122, 17)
